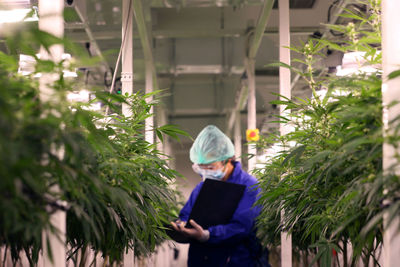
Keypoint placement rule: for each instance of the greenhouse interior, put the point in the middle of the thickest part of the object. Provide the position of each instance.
(105, 103)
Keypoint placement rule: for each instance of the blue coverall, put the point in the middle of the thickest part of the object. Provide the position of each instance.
(229, 244)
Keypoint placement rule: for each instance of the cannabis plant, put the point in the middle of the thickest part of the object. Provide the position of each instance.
(327, 176)
(113, 185)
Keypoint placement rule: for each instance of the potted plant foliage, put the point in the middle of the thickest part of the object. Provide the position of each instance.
(328, 175)
(113, 185)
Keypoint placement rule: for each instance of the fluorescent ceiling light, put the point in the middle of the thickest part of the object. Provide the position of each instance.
(207, 69)
(8, 4)
(355, 70)
(18, 15)
(355, 63)
(70, 74)
(27, 65)
(81, 96)
(93, 107)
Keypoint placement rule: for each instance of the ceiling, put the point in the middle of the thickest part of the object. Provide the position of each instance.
(199, 47)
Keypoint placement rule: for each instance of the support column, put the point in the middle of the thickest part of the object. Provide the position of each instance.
(251, 111)
(284, 90)
(390, 93)
(238, 136)
(250, 70)
(127, 52)
(149, 122)
(162, 119)
(127, 78)
(151, 77)
(51, 20)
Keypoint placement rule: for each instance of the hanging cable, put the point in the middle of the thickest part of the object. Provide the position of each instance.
(120, 52)
(120, 49)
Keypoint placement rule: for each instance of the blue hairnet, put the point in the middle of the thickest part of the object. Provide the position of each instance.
(211, 145)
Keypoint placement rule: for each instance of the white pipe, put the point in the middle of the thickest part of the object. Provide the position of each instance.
(251, 111)
(162, 119)
(149, 122)
(51, 20)
(284, 90)
(127, 53)
(127, 77)
(238, 136)
(390, 93)
(151, 77)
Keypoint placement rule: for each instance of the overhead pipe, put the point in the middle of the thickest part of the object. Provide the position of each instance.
(168, 34)
(202, 3)
(260, 28)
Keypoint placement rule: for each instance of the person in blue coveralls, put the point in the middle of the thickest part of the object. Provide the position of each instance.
(232, 244)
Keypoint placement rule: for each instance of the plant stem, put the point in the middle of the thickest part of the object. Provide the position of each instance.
(83, 257)
(105, 261)
(5, 256)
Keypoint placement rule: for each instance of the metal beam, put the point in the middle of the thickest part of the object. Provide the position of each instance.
(91, 37)
(110, 34)
(260, 28)
(202, 3)
(192, 114)
(254, 45)
(240, 104)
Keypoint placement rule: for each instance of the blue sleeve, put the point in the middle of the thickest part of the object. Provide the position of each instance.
(242, 220)
(185, 212)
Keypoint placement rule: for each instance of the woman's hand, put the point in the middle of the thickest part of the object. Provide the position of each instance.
(178, 225)
(197, 232)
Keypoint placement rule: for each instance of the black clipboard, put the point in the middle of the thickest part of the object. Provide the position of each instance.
(215, 204)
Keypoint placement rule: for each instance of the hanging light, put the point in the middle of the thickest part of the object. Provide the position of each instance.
(79, 96)
(18, 15)
(355, 63)
(27, 65)
(13, 11)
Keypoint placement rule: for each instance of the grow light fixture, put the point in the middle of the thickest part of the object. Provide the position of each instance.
(27, 65)
(80, 96)
(18, 15)
(355, 63)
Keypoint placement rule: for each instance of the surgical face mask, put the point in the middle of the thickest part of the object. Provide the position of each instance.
(208, 173)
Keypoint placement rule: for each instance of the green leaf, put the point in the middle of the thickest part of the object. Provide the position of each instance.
(394, 74)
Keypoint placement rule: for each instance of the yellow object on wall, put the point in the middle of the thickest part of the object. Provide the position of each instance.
(252, 135)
